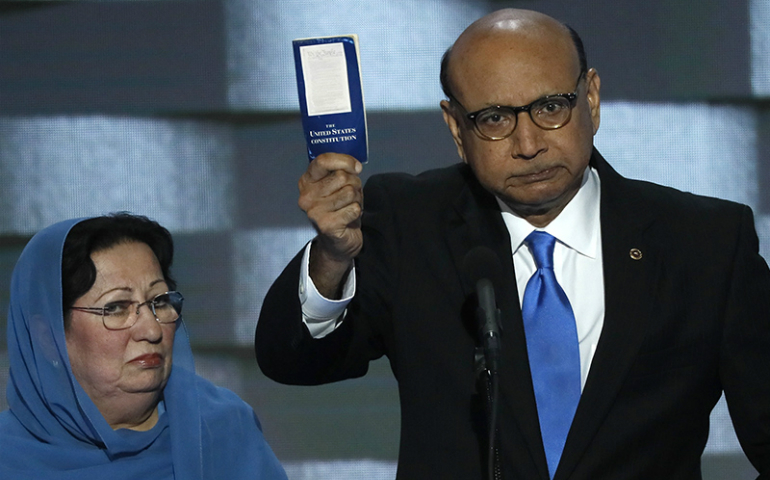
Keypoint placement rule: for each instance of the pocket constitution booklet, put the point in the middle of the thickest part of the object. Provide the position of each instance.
(331, 97)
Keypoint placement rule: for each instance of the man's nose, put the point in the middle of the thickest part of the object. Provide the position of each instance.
(527, 138)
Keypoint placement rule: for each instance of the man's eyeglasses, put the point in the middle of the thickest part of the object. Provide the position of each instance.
(499, 122)
(122, 314)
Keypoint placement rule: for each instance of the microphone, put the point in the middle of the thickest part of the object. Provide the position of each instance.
(484, 268)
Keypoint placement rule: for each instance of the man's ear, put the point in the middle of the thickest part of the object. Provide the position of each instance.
(454, 127)
(593, 85)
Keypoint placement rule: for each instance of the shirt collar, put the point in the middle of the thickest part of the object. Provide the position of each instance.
(577, 226)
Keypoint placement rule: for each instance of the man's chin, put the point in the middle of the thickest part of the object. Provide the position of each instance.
(533, 204)
(543, 205)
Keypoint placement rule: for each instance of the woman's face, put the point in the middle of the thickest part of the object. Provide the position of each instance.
(120, 369)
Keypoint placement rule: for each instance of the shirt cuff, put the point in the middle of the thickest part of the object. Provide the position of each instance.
(320, 314)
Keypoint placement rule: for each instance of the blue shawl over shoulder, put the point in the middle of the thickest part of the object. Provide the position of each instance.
(53, 430)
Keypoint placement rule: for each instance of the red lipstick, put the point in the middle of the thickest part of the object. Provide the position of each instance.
(149, 360)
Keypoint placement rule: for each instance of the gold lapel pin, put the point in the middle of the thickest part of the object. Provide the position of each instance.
(635, 254)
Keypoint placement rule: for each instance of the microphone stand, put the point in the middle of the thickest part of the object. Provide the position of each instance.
(485, 363)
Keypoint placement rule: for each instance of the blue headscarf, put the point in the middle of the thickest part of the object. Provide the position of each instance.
(53, 430)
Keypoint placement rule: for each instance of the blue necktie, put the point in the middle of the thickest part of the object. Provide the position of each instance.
(552, 346)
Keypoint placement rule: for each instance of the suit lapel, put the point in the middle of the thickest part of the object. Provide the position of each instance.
(475, 220)
(631, 268)
(629, 283)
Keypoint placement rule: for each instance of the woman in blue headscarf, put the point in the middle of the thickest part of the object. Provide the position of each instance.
(102, 383)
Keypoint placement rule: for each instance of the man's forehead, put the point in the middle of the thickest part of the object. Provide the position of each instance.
(494, 72)
(512, 51)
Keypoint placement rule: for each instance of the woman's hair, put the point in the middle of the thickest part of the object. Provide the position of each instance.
(78, 272)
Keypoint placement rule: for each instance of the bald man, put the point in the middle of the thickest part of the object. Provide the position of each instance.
(667, 299)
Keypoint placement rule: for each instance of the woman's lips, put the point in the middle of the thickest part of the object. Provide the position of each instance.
(149, 360)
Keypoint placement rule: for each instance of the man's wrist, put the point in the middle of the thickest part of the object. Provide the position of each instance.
(328, 271)
(322, 315)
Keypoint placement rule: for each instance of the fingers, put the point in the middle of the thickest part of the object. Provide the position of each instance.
(331, 162)
(333, 192)
(332, 196)
(330, 184)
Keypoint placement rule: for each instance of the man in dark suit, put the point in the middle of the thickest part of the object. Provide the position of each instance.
(668, 298)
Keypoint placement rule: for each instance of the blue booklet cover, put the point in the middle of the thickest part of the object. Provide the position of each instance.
(331, 96)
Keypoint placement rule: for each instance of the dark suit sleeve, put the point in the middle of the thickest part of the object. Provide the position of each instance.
(745, 350)
(286, 351)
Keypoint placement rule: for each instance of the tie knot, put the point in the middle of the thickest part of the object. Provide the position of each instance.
(541, 245)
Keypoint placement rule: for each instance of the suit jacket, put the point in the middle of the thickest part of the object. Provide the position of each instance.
(684, 322)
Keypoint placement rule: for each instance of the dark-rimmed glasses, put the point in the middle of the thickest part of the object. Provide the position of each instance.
(166, 307)
(498, 122)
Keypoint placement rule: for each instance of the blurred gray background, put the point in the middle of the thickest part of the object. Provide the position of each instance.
(186, 111)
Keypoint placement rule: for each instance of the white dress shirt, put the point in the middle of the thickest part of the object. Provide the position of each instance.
(577, 261)
(577, 266)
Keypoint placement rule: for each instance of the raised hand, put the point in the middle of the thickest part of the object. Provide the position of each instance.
(331, 195)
